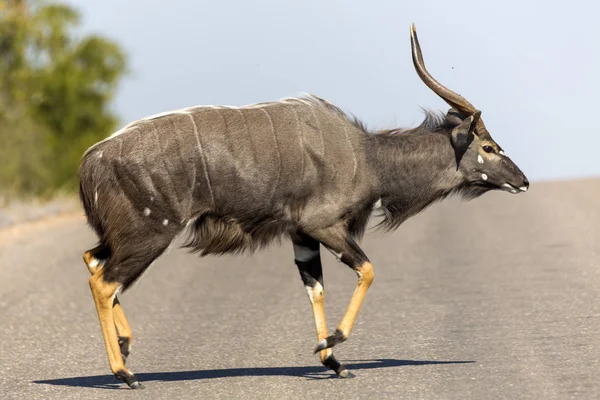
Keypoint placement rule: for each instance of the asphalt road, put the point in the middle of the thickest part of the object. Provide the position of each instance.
(498, 298)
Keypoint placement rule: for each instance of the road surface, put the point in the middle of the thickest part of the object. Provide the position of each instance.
(497, 298)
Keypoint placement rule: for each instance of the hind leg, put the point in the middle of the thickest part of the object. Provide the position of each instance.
(120, 270)
(95, 259)
(104, 294)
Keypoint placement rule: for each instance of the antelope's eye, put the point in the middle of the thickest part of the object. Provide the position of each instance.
(488, 149)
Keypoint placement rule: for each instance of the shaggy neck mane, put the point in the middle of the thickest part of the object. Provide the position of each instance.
(416, 167)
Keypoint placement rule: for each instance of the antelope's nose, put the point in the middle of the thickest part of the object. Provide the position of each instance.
(525, 185)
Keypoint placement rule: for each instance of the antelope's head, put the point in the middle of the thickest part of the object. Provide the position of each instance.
(479, 158)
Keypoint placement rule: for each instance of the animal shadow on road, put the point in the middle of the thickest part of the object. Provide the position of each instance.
(312, 372)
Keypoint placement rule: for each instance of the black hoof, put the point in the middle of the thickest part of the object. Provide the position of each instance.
(341, 371)
(129, 379)
(330, 341)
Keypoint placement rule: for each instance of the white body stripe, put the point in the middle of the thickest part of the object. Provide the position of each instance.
(187, 110)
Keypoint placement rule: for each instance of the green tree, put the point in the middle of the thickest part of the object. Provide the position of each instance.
(55, 92)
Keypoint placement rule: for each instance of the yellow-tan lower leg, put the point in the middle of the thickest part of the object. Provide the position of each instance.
(365, 278)
(103, 293)
(316, 295)
(121, 324)
(317, 298)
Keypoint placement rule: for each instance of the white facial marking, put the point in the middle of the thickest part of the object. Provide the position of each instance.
(304, 254)
(523, 188)
(94, 263)
(147, 211)
(507, 185)
(484, 177)
(165, 222)
(479, 158)
(501, 152)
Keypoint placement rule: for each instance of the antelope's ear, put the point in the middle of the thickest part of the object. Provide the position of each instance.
(453, 117)
(462, 134)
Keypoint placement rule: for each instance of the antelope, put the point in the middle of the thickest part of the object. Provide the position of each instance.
(236, 178)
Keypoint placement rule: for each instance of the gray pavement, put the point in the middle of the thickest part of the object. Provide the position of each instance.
(498, 298)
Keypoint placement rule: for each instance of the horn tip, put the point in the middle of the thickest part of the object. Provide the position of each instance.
(413, 28)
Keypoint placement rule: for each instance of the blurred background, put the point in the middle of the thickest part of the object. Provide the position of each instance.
(72, 72)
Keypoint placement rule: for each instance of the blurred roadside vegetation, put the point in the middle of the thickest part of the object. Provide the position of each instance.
(55, 91)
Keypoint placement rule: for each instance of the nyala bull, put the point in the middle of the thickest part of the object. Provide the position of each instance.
(237, 178)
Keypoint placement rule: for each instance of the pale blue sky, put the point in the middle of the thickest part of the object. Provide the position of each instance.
(533, 68)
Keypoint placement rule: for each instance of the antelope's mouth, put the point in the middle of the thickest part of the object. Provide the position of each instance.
(513, 189)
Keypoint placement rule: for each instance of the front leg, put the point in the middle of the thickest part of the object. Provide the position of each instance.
(308, 260)
(341, 244)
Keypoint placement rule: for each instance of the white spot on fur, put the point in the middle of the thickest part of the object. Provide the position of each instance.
(147, 211)
(116, 293)
(96, 197)
(94, 263)
(337, 255)
(165, 222)
(312, 290)
(151, 198)
(377, 205)
(507, 185)
(99, 154)
(501, 152)
(311, 296)
(523, 188)
(484, 177)
(479, 158)
(304, 254)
